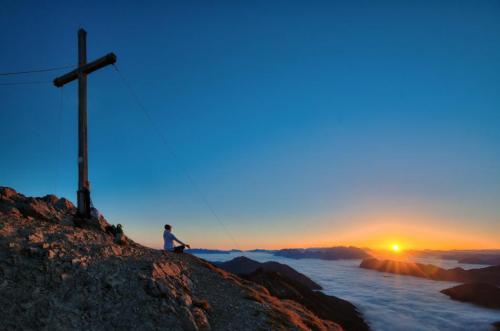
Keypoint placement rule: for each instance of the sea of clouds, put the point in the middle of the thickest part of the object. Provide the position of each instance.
(388, 302)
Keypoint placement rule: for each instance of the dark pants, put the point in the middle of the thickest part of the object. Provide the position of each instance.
(179, 249)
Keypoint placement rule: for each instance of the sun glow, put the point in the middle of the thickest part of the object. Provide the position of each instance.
(395, 248)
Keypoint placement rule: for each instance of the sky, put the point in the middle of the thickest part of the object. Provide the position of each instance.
(265, 124)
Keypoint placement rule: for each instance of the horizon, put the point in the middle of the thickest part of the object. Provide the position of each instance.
(272, 125)
(363, 248)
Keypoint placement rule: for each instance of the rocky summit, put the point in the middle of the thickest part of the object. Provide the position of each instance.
(58, 276)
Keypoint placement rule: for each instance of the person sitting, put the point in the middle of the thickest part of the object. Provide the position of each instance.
(169, 238)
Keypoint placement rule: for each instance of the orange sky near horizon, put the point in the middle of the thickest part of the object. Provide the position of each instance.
(374, 232)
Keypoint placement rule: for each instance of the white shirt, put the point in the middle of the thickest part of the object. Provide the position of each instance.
(168, 238)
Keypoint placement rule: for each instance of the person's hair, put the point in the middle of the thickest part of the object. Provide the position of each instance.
(168, 227)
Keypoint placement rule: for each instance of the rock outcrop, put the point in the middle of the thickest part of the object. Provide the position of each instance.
(285, 282)
(47, 208)
(56, 276)
(481, 294)
(489, 275)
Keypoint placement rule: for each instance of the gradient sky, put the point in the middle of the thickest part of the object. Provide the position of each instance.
(303, 123)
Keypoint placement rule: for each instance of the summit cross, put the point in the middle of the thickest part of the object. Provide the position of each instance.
(80, 73)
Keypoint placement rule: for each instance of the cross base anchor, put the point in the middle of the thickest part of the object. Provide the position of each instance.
(83, 197)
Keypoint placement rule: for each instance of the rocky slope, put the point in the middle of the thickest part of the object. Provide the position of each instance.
(56, 276)
(243, 266)
(325, 306)
(285, 282)
(486, 275)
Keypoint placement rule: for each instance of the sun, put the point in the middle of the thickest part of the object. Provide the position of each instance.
(395, 248)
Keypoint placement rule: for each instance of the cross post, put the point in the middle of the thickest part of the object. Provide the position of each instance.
(80, 73)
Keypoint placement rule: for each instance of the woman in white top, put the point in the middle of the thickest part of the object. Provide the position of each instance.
(169, 238)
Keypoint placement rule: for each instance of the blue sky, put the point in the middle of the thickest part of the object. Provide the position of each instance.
(299, 121)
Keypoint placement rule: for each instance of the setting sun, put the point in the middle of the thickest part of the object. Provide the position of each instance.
(395, 248)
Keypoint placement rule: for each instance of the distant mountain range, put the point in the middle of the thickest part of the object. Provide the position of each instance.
(489, 275)
(485, 257)
(210, 251)
(326, 253)
(331, 253)
(260, 250)
(227, 251)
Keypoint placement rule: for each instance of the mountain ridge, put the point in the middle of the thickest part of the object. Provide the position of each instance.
(55, 275)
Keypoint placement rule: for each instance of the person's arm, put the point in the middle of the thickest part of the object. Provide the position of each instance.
(175, 238)
(180, 242)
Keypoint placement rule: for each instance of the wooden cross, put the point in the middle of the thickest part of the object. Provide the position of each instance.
(80, 73)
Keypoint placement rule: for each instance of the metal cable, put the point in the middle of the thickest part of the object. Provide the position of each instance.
(38, 82)
(35, 71)
(174, 155)
(59, 134)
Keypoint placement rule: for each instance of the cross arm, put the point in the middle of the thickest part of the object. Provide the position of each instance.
(86, 69)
